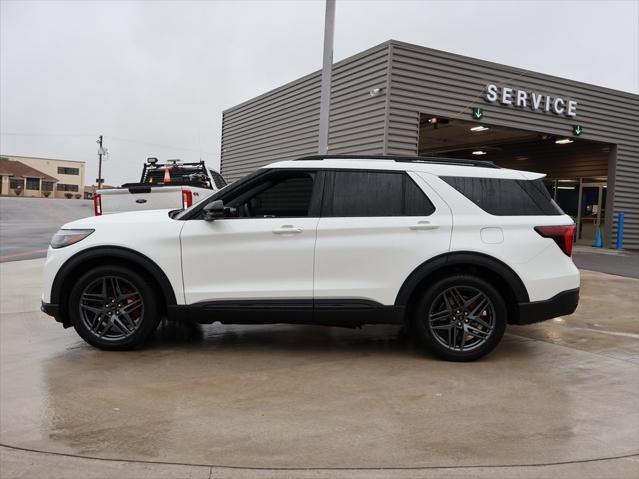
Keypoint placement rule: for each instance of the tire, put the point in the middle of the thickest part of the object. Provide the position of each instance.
(99, 320)
(460, 318)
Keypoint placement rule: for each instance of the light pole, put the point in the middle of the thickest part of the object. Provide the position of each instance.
(100, 151)
(327, 66)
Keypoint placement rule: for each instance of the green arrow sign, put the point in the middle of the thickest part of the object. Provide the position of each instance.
(478, 113)
(577, 130)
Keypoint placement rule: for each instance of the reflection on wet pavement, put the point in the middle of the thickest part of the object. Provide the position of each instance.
(307, 396)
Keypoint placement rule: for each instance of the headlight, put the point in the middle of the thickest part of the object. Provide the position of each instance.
(68, 237)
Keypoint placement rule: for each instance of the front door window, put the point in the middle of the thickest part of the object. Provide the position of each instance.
(285, 195)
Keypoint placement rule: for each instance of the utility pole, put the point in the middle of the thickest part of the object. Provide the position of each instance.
(100, 151)
(327, 67)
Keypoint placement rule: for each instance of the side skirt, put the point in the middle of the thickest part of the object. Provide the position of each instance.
(327, 312)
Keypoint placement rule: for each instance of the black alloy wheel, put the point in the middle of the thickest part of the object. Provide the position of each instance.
(461, 318)
(113, 307)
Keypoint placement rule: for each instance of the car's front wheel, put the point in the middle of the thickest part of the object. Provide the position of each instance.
(461, 318)
(113, 307)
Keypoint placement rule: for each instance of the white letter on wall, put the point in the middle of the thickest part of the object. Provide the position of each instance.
(506, 95)
(522, 98)
(558, 109)
(491, 93)
(536, 101)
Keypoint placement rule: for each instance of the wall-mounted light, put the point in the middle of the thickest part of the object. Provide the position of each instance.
(479, 152)
(375, 92)
(565, 187)
(563, 141)
(432, 120)
(479, 128)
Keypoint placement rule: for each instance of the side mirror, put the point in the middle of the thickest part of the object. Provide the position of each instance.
(214, 210)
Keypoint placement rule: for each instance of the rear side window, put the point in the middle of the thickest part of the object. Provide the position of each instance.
(506, 197)
(371, 193)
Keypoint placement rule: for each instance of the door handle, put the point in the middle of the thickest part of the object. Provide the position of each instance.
(424, 225)
(287, 229)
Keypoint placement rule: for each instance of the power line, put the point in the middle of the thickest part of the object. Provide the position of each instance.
(115, 138)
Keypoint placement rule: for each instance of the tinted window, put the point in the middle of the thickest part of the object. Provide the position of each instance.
(15, 184)
(286, 195)
(64, 187)
(62, 170)
(505, 197)
(370, 193)
(33, 183)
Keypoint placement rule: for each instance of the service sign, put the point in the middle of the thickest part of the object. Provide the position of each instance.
(531, 100)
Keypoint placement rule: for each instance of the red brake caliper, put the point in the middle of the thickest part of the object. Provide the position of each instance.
(135, 313)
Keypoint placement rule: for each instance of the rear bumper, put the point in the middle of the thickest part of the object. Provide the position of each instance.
(561, 304)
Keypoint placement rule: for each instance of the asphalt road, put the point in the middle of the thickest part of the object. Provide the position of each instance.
(27, 224)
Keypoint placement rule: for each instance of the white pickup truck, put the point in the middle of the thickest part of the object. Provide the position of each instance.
(163, 186)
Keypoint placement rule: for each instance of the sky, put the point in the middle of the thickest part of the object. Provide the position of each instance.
(153, 77)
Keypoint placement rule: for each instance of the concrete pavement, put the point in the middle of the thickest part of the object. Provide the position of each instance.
(622, 263)
(54, 466)
(560, 398)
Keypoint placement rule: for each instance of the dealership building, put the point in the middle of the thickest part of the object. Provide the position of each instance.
(403, 99)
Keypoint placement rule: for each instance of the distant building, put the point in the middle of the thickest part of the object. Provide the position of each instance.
(41, 177)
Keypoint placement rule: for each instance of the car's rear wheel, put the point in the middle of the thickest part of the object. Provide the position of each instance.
(461, 318)
(114, 308)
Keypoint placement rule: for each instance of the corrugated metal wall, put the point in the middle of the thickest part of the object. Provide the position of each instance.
(278, 125)
(448, 85)
(284, 123)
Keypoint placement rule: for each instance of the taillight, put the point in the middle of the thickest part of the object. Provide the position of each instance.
(97, 204)
(562, 235)
(187, 199)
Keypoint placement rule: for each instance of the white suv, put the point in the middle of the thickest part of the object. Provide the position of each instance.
(452, 249)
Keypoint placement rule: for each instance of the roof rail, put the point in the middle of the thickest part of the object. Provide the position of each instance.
(404, 159)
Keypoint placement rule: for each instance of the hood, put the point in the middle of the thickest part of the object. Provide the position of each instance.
(129, 217)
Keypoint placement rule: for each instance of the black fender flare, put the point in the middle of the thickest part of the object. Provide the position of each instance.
(125, 254)
(461, 258)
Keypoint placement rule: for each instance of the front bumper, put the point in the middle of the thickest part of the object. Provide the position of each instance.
(561, 304)
(50, 309)
(54, 310)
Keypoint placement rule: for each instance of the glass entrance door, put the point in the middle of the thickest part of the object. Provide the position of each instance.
(592, 200)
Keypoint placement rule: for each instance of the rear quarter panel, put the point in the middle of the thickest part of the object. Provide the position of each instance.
(543, 268)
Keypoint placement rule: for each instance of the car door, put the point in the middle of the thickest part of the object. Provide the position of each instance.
(262, 250)
(376, 228)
